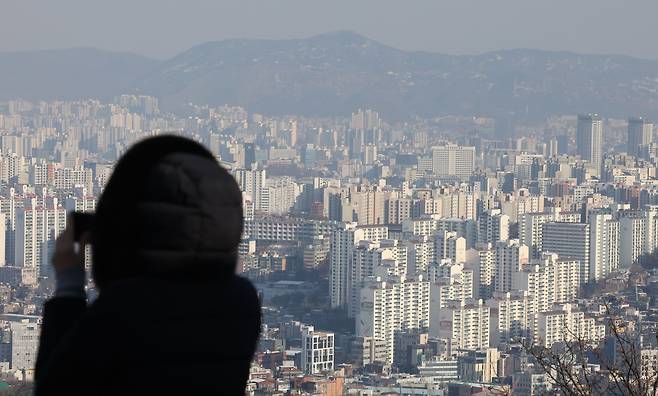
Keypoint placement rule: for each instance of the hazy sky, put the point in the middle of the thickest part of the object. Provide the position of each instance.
(161, 28)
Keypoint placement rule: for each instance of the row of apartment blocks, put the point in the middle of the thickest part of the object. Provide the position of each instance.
(541, 309)
(478, 294)
(30, 222)
(66, 174)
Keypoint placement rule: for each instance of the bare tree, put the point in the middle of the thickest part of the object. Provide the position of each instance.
(628, 372)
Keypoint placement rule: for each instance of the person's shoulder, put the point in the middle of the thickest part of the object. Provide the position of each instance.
(129, 291)
(244, 284)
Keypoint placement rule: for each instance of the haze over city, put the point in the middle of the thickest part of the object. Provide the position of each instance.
(161, 29)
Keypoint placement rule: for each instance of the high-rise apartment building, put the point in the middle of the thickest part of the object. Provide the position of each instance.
(632, 236)
(393, 305)
(369, 205)
(465, 324)
(448, 244)
(510, 257)
(483, 261)
(251, 182)
(343, 240)
(279, 195)
(366, 257)
(449, 281)
(37, 227)
(365, 120)
(549, 280)
(565, 322)
(493, 226)
(420, 254)
(604, 245)
(512, 316)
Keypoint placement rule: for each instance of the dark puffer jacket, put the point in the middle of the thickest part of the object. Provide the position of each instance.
(171, 316)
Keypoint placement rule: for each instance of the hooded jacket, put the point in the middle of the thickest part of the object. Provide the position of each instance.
(171, 316)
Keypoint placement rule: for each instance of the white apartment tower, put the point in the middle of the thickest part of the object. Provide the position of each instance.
(549, 280)
(564, 322)
(37, 227)
(251, 182)
(366, 257)
(465, 324)
(512, 316)
(392, 305)
(632, 236)
(420, 254)
(604, 245)
(342, 242)
(510, 257)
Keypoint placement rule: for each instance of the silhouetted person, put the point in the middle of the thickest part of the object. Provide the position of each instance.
(171, 316)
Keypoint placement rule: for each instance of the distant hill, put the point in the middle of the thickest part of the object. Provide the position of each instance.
(70, 73)
(334, 73)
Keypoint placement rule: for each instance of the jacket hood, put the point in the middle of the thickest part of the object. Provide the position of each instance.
(169, 210)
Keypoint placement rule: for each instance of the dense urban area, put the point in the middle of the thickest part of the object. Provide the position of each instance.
(451, 255)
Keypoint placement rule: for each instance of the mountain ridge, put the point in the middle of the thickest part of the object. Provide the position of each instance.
(336, 72)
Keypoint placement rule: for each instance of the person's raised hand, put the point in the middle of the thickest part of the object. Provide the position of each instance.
(68, 253)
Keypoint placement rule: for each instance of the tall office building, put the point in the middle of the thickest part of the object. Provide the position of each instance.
(452, 160)
(589, 139)
(569, 240)
(531, 227)
(640, 133)
(249, 155)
